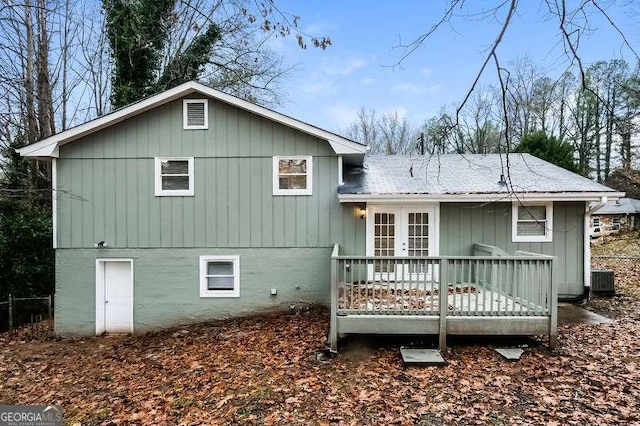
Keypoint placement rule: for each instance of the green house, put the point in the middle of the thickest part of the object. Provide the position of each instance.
(193, 205)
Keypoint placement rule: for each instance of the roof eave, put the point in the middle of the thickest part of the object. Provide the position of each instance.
(484, 197)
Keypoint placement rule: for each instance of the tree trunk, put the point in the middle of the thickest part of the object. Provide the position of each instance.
(45, 97)
(31, 124)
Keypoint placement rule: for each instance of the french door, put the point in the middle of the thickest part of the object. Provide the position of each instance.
(407, 231)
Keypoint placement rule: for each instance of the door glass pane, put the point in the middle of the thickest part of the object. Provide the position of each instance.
(383, 239)
(418, 234)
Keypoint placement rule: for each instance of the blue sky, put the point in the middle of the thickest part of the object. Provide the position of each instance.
(360, 68)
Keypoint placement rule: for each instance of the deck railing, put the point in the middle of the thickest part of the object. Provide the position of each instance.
(491, 283)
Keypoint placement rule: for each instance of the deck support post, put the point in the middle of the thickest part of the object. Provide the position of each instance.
(553, 315)
(443, 303)
(333, 321)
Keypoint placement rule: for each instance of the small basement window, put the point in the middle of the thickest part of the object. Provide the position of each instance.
(292, 175)
(196, 114)
(174, 176)
(219, 276)
(532, 222)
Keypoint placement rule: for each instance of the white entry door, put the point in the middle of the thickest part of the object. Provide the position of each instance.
(408, 231)
(114, 296)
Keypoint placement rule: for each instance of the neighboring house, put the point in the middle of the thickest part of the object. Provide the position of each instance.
(193, 205)
(618, 215)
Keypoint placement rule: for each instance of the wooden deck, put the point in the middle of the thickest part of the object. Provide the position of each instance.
(424, 299)
(489, 293)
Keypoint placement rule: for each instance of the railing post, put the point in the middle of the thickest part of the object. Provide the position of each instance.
(50, 312)
(553, 319)
(10, 313)
(444, 303)
(333, 321)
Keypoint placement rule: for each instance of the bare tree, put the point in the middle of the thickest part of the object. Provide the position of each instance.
(573, 23)
(388, 134)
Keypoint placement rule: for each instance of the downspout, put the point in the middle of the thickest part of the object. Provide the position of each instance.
(587, 253)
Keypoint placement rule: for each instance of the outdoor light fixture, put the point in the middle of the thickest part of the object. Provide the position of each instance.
(100, 244)
(363, 212)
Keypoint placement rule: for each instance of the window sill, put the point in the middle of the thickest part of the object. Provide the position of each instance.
(219, 294)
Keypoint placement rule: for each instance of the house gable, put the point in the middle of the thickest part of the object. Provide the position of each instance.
(232, 133)
(106, 188)
(48, 148)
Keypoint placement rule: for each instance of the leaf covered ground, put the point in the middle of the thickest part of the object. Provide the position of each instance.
(263, 370)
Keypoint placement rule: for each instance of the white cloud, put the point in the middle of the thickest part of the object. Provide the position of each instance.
(319, 88)
(340, 115)
(342, 67)
(367, 81)
(409, 88)
(426, 72)
(415, 89)
(400, 111)
(318, 29)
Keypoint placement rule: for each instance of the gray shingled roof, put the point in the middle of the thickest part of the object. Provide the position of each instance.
(462, 174)
(621, 206)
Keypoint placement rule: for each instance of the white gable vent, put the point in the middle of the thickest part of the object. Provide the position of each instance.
(196, 114)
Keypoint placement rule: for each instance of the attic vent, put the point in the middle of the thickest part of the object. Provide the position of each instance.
(196, 114)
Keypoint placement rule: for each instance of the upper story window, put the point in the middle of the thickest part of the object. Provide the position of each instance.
(595, 221)
(196, 114)
(174, 176)
(532, 222)
(292, 175)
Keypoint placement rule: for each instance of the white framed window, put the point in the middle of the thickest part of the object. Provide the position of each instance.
(595, 221)
(195, 114)
(532, 222)
(293, 175)
(174, 176)
(220, 276)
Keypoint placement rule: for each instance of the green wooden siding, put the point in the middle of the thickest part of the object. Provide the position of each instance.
(106, 186)
(463, 224)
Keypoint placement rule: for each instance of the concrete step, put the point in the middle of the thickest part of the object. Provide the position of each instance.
(422, 356)
(512, 354)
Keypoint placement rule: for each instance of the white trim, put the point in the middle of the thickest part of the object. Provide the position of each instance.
(587, 245)
(489, 197)
(204, 292)
(589, 210)
(159, 192)
(185, 115)
(54, 202)
(340, 171)
(548, 228)
(47, 147)
(276, 181)
(434, 225)
(101, 289)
